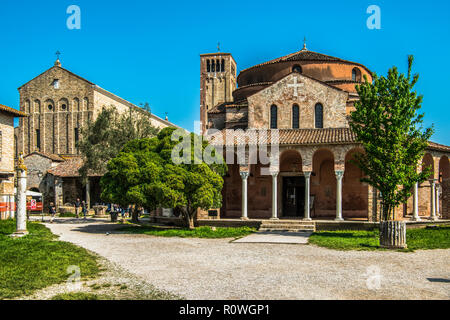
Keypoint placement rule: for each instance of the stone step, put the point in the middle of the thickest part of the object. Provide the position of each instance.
(287, 230)
(287, 222)
(287, 226)
(296, 222)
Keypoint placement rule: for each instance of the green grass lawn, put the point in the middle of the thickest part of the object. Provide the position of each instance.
(200, 232)
(80, 296)
(416, 239)
(37, 260)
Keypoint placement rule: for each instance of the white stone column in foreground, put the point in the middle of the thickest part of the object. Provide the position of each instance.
(307, 195)
(339, 176)
(21, 214)
(244, 176)
(433, 200)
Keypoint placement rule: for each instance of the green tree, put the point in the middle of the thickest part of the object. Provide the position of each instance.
(387, 123)
(103, 139)
(145, 174)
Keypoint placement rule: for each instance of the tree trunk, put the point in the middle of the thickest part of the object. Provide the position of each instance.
(135, 215)
(393, 234)
(188, 220)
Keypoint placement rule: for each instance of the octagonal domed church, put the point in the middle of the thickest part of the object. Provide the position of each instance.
(307, 96)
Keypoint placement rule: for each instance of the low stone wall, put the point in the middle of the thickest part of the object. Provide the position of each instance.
(230, 223)
(346, 225)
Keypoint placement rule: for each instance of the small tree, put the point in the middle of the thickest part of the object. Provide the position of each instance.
(104, 138)
(386, 122)
(145, 174)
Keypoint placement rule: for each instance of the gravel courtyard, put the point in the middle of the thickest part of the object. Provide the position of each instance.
(218, 269)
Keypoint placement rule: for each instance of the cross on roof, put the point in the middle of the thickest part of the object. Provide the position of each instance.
(57, 54)
(295, 85)
(218, 46)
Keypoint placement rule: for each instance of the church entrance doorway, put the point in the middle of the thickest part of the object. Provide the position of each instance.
(293, 197)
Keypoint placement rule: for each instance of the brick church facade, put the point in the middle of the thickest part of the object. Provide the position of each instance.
(307, 97)
(59, 103)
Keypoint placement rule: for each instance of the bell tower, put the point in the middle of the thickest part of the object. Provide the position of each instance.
(217, 82)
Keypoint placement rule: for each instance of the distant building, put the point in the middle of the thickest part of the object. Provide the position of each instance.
(59, 104)
(7, 171)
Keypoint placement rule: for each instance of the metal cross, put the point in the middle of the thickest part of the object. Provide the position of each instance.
(218, 46)
(58, 54)
(295, 85)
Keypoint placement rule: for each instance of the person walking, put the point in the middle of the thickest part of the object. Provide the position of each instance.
(77, 207)
(84, 209)
(52, 211)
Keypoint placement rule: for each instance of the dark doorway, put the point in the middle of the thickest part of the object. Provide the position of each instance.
(293, 196)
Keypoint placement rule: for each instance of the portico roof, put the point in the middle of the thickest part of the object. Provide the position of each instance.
(330, 136)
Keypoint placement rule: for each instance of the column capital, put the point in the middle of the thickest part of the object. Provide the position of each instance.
(244, 174)
(274, 174)
(307, 174)
(339, 173)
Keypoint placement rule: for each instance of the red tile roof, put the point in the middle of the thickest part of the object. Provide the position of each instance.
(69, 168)
(306, 55)
(12, 111)
(301, 137)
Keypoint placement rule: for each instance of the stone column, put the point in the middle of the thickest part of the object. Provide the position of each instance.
(339, 176)
(438, 189)
(88, 194)
(307, 194)
(416, 203)
(274, 196)
(244, 176)
(21, 215)
(433, 200)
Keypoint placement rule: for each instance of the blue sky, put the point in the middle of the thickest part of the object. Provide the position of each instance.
(149, 50)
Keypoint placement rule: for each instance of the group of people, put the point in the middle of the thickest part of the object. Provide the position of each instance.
(115, 208)
(80, 206)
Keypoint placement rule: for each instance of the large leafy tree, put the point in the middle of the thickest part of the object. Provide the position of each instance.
(103, 139)
(145, 174)
(387, 123)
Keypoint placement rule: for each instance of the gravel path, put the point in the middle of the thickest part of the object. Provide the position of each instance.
(218, 269)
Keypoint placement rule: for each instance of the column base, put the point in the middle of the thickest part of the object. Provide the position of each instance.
(339, 219)
(307, 219)
(244, 218)
(416, 219)
(274, 219)
(434, 218)
(19, 234)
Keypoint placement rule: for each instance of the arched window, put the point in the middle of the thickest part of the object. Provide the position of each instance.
(356, 74)
(318, 112)
(208, 66)
(213, 66)
(223, 66)
(297, 68)
(295, 117)
(273, 117)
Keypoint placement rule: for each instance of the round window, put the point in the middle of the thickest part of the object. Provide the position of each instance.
(64, 107)
(50, 107)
